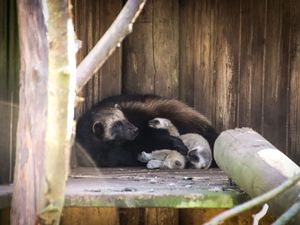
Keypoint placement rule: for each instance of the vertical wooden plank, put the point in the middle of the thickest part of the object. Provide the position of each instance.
(138, 56)
(8, 120)
(166, 47)
(200, 216)
(203, 58)
(151, 51)
(4, 6)
(9, 85)
(226, 65)
(90, 216)
(111, 74)
(275, 81)
(294, 107)
(97, 18)
(92, 19)
(186, 51)
(161, 216)
(89, 88)
(13, 84)
(5, 216)
(250, 96)
(132, 216)
(78, 10)
(4, 106)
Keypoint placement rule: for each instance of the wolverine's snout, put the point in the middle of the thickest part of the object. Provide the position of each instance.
(132, 130)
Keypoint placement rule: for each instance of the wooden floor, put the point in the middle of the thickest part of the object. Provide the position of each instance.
(136, 196)
(138, 187)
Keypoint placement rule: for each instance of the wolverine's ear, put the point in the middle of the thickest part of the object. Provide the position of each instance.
(98, 129)
(117, 106)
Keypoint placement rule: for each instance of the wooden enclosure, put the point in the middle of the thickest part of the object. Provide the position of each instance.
(235, 61)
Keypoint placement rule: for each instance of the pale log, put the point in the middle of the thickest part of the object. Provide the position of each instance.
(256, 166)
(61, 99)
(112, 38)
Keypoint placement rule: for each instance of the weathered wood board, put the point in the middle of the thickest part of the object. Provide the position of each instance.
(91, 20)
(137, 187)
(9, 88)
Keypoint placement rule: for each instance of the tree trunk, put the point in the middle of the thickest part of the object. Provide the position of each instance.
(32, 117)
(46, 111)
(61, 99)
(257, 166)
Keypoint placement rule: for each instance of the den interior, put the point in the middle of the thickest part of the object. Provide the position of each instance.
(235, 61)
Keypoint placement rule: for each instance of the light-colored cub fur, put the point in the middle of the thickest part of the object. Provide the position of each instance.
(163, 159)
(199, 154)
(162, 123)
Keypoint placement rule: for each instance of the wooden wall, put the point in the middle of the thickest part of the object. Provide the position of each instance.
(9, 88)
(138, 216)
(152, 216)
(236, 61)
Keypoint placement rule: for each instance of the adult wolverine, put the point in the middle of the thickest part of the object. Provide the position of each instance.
(116, 129)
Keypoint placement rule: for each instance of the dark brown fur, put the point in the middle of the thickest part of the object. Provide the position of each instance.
(138, 110)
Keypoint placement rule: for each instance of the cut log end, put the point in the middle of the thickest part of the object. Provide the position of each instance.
(256, 166)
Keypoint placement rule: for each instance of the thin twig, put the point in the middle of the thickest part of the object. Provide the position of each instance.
(257, 217)
(112, 38)
(255, 201)
(289, 214)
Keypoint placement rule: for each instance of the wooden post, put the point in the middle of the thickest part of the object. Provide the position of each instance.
(61, 99)
(256, 166)
(32, 108)
(46, 111)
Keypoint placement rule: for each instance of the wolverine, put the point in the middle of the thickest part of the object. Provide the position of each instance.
(115, 131)
(199, 153)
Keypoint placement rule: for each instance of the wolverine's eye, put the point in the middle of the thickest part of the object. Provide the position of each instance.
(178, 163)
(156, 122)
(117, 125)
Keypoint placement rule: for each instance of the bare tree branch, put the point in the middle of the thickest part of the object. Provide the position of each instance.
(112, 38)
(257, 217)
(255, 201)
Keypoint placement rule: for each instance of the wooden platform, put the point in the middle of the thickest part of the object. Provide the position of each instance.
(139, 187)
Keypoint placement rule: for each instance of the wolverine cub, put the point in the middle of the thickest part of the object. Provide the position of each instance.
(163, 159)
(199, 152)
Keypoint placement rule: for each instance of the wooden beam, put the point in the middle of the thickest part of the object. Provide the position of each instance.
(256, 166)
(112, 38)
(32, 107)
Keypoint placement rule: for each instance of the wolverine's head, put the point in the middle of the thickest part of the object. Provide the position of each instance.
(160, 123)
(110, 124)
(200, 157)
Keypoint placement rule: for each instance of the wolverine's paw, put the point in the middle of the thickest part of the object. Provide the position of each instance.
(154, 164)
(144, 157)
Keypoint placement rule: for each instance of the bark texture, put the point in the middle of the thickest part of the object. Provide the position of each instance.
(61, 99)
(33, 110)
